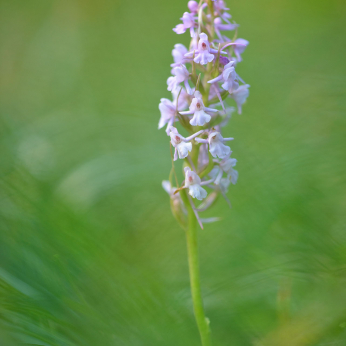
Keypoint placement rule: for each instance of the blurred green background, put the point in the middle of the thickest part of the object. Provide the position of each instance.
(89, 251)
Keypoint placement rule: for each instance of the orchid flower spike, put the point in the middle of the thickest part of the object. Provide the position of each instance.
(197, 108)
(206, 156)
(216, 146)
(182, 145)
(193, 183)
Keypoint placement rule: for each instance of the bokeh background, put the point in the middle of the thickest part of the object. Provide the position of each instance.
(89, 251)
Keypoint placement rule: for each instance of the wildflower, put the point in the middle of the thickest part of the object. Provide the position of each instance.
(224, 184)
(193, 183)
(239, 47)
(229, 76)
(221, 184)
(168, 111)
(196, 94)
(203, 54)
(182, 145)
(184, 98)
(188, 23)
(178, 53)
(181, 75)
(197, 108)
(220, 10)
(240, 95)
(227, 166)
(172, 85)
(219, 6)
(216, 146)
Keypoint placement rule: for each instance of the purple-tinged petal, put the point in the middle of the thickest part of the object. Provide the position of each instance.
(178, 53)
(179, 29)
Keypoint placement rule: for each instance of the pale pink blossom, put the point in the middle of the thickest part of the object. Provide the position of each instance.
(227, 166)
(229, 76)
(240, 95)
(181, 74)
(178, 53)
(168, 111)
(216, 146)
(188, 23)
(193, 183)
(203, 53)
(197, 108)
(181, 144)
(239, 47)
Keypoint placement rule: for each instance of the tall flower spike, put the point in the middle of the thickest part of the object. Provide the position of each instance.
(197, 100)
(216, 146)
(197, 108)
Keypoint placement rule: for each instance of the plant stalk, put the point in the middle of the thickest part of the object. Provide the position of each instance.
(192, 252)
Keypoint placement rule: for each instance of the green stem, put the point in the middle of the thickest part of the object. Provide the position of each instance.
(192, 251)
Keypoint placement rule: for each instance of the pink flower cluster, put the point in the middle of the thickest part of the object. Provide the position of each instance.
(203, 81)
